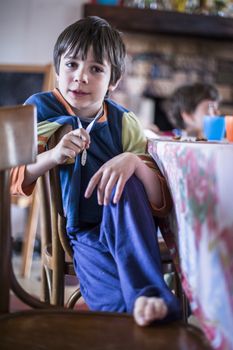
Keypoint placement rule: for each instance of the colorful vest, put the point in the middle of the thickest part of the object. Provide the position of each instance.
(106, 143)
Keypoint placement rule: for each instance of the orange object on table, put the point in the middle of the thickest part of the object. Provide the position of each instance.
(229, 127)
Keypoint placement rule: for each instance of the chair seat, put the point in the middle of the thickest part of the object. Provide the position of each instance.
(68, 329)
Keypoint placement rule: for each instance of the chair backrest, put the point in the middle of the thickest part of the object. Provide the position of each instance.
(56, 195)
(55, 247)
(18, 146)
(17, 136)
(52, 209)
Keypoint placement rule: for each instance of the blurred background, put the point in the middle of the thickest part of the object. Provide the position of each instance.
(158, 60)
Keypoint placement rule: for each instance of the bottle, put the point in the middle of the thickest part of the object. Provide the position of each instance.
(179, 5)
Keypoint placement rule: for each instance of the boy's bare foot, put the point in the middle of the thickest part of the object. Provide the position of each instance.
(149, 309)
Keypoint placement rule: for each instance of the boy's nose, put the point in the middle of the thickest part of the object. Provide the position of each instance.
(213, 108)
(81, 77)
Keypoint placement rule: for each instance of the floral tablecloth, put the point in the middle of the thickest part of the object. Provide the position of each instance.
(200, 176)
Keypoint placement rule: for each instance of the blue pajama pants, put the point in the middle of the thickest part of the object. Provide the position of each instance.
(118, 260)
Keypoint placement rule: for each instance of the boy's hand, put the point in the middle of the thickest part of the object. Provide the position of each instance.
(70, 145)
(114, 172)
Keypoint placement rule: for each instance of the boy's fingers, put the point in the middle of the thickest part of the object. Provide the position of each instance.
(107, 191)
(83, 139)
(119, 189)
(80, 136)
(92, 184)
(102, 188)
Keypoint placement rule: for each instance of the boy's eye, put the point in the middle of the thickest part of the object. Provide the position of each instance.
(96, 69)
(71, 64)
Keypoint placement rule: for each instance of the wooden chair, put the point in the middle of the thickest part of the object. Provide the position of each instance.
(17, 146)
(57, 328)
(56, 251)
(29, 79)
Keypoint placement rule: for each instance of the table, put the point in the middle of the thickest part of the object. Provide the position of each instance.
(200, 177)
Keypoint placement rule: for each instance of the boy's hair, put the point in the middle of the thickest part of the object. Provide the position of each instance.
(97, 33)
(186, 98)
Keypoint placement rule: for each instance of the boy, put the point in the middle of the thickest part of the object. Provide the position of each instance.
(112, 186)
(188, 105)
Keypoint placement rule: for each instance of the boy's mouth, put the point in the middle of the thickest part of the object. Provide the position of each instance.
(79, 92)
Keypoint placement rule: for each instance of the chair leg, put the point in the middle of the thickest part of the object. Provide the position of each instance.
(46, 284)
(58, 278)
(30, 234)
(181, 295)
(75, 296)
(185, 308)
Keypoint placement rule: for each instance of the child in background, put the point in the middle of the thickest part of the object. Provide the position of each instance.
(188, 105)
(111, 188)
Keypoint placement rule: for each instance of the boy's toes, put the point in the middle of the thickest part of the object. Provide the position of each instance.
(147, 310)
(138, 312)
(157, 308)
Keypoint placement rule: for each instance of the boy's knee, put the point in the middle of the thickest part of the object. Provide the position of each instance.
(134, 188)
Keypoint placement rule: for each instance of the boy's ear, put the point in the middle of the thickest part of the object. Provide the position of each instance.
(187, 118)
(56, 78)
(112, 87)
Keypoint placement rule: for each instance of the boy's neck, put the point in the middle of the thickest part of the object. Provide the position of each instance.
(97, 116)
(87, 119)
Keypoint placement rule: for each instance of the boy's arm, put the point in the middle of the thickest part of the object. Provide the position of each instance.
(16, 182)
(23, 178)
(133, 160)
(135, 141)
(156, 189)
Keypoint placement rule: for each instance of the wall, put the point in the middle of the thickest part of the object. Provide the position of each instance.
(29, 28)
(158, 64)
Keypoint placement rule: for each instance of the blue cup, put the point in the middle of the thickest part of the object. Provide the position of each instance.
(108, 2)
(214, 127)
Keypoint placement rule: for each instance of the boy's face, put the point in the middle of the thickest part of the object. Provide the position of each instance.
(194, 121)
(205, 107)
(84, 83)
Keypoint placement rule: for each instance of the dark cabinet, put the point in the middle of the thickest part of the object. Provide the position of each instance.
(163, 22)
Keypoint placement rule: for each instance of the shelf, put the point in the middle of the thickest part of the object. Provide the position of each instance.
(163, 22)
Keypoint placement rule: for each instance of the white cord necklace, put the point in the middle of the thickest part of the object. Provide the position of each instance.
(88, 130)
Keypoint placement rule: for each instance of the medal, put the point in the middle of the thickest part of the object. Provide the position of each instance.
(84, 157)
(88, 129)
